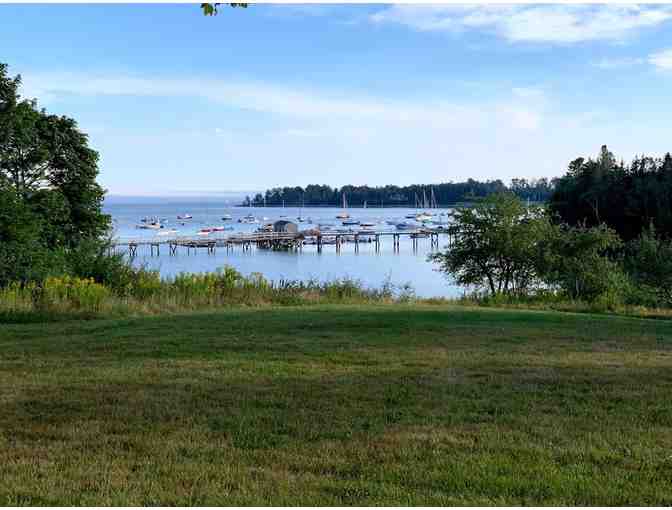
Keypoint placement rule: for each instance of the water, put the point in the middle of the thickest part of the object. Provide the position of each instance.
(373, 269)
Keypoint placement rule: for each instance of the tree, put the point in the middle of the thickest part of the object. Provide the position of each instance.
(575, 260)
(626, 198)
(46, 161)
(649, 261)
(495, 245)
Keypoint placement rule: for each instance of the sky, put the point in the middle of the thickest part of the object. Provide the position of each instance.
(275, 95)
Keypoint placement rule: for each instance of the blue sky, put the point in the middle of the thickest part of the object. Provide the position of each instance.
(363, 94)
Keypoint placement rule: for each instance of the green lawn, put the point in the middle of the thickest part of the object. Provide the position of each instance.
(338, 405)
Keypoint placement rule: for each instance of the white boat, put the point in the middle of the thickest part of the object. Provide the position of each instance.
(248, 219)
(422, 217)
(184, 216)
(216, 229)
(367, 224)
(226, 217)
(150, 226)
(350, 222)
(343, 215)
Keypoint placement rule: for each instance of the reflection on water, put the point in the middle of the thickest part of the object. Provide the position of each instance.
(371, 267)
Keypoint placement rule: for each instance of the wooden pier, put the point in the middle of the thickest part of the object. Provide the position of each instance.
(284, 241)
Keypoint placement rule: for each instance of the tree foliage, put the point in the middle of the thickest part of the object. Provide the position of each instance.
(212, 9)
(577, 260)
(495, 245)
(649, 261)
(627, 198)
(50, 200)
(406, 196)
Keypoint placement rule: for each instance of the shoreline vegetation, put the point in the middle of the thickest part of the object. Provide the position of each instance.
(72, 298)
(449, 194)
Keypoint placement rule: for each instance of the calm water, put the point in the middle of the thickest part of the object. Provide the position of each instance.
(368, 266)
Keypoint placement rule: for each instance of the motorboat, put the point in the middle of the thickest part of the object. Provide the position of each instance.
(184, 216)
(367, 224)
(150, 226)
(350, 222)
(404, 225)
(248, 219)
(422, 217)
(226, 217)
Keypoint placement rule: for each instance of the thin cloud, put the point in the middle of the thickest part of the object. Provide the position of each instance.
(286, 101)
(662, 60)
(556, 24)
(618, 63)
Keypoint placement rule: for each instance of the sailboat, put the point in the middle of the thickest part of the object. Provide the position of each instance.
(300, 218)
(343, 215)
(412, 216)
(424, 216)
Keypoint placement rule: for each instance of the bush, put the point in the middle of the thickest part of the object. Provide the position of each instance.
(576, 260)
(648, 260)
(71, 293)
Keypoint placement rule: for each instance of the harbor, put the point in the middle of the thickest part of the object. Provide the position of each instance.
(217, 234)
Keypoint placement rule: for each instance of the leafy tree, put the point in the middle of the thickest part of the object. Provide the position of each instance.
(495, 245)
(47, 162)
(626, 198)
(649, 261)
(576, 260)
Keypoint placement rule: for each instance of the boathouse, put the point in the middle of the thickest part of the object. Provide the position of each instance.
(285, 226)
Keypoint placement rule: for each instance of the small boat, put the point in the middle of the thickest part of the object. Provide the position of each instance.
(422, 217)
(226, 217)
(350, 222)
(221, 229)
(392, 222)
(248, 219)
(184, 216)
(367, 224)
(343, 215)
(410, 216)
(404, 225)
(150, 226)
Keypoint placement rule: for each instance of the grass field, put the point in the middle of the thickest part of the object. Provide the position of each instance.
(338, 405)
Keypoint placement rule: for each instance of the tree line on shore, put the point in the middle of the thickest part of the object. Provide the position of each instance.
(417, 195)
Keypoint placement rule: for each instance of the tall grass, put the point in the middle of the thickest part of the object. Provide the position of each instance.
(147, 293)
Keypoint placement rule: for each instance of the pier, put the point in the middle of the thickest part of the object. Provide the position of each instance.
(283, 241)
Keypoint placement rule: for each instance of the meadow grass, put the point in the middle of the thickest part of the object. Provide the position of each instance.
(338, 405)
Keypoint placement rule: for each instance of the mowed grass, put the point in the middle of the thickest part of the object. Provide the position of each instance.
(338, 405)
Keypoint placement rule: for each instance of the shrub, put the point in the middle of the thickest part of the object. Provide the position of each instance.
(71, 293)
